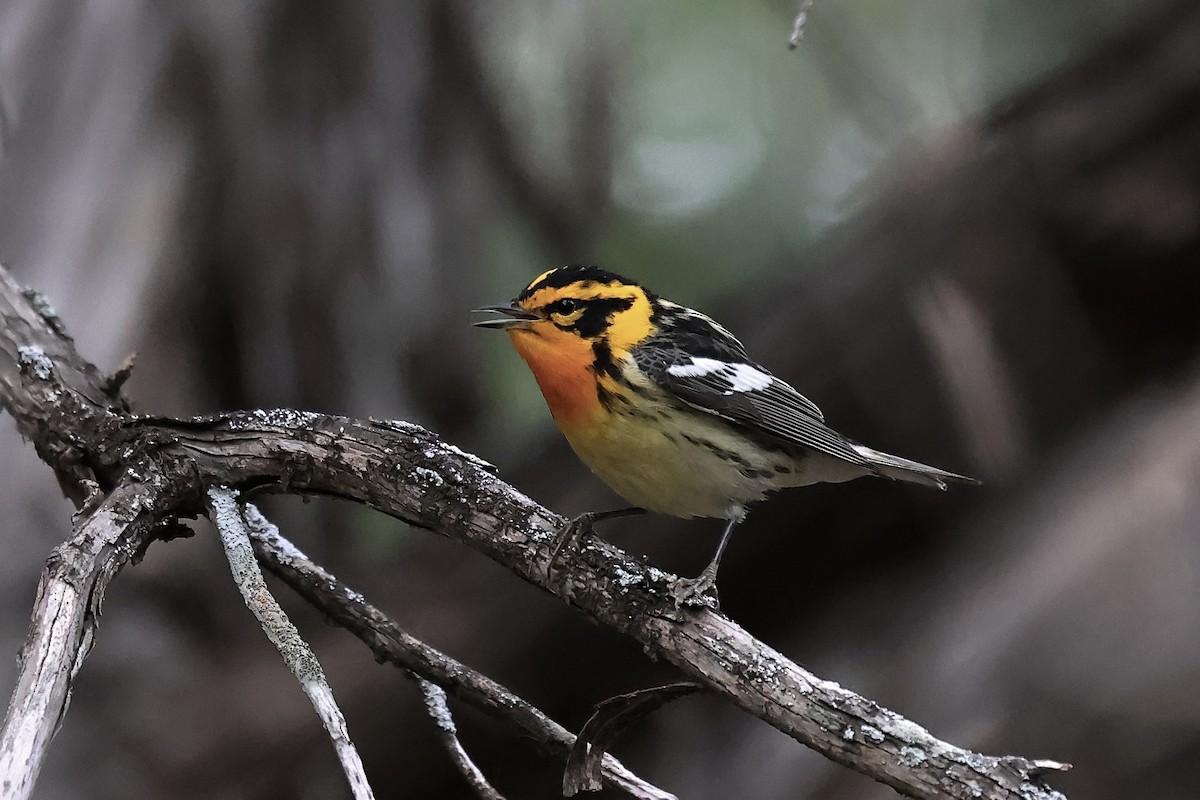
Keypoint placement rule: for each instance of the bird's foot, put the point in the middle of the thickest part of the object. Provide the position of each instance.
(582, 526)
(697, 592)
(571, 532)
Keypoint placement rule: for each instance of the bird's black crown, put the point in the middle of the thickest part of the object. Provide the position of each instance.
(565, 276)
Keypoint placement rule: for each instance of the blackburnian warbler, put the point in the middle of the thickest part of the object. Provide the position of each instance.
(664, 405)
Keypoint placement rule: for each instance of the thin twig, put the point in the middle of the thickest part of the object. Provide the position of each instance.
(443, 720)
(227, 515)
(798, 24)
(390, 643)
(610, 719)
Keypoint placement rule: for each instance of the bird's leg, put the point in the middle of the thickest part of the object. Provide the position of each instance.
(581, 526)
(702, 590)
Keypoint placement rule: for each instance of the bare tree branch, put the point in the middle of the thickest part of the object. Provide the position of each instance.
(63, 625)
(390, 643)
(43, 384)
(43, 380)
(407, 472)
(229, 519)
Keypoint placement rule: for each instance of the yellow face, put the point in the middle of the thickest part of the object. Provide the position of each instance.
(569, 324)
(589, 304)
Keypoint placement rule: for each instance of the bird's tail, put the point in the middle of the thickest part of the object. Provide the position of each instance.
(901, 469)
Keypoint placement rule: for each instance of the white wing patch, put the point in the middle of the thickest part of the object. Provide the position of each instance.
(740, 377)
(698, 367)
(746, 378)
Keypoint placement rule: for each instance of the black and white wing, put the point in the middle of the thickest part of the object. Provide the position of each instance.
(704, 366)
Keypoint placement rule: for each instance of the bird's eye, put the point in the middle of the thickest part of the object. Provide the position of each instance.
(565, 306)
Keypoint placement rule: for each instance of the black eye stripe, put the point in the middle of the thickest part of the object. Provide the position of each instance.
(598, 313)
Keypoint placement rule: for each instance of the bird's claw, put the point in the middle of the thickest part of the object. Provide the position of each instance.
(697, 592)
(575, 529)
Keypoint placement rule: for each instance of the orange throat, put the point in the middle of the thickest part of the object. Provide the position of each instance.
(562, 364)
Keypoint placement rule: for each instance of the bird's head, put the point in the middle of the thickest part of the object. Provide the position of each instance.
(574, 306)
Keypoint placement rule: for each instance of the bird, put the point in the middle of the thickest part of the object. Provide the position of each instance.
(664, 405)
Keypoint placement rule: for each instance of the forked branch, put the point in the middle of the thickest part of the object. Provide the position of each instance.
(390, 643)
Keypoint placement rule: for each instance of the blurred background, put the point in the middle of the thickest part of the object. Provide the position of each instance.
(969, 231)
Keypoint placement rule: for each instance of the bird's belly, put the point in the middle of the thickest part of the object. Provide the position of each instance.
(705, 471)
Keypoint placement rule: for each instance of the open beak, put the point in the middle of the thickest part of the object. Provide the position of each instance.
(514, 317)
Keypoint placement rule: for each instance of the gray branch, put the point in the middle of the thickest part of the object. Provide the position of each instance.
(61, 631)
(443, 720)
(228, 516)
(405, 471)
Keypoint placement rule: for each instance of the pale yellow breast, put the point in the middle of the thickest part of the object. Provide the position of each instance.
(701, 469)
